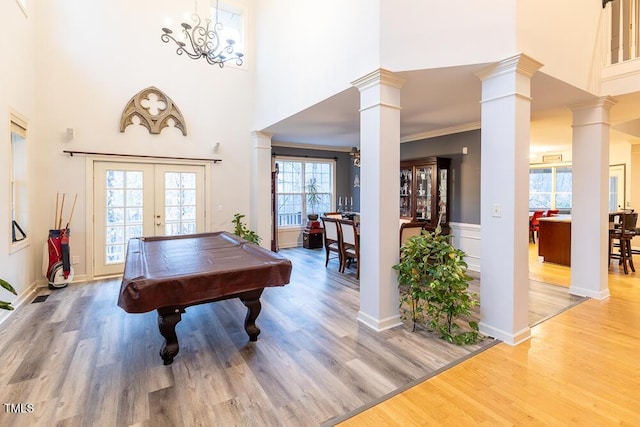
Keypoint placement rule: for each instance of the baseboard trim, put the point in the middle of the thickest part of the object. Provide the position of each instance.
(512, 339)
(590, 293)
(25, 296)
(379, 325)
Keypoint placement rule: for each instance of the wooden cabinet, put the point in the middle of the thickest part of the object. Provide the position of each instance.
(312, 239)
(424, 191)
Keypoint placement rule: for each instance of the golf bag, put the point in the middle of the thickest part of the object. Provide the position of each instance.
(56, 259)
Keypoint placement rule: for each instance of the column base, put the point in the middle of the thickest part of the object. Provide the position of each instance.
(379, 325)
(504, 336)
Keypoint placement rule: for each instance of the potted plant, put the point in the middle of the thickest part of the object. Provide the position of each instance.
(3, 304)
(313, 199)
(434, 287)
(240, 229)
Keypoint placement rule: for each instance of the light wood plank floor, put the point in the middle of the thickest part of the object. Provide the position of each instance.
(81, 360)
(580, 367)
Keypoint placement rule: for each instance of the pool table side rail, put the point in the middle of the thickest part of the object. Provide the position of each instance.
(141, 291)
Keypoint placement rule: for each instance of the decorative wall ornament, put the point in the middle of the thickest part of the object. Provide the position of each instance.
(154, 109)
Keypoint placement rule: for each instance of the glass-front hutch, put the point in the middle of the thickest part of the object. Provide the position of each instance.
(424, 191)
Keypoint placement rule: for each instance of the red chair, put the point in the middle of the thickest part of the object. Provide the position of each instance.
(534, 224)
(551, 212)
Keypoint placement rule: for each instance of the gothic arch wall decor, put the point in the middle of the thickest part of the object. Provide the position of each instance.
(154, 109)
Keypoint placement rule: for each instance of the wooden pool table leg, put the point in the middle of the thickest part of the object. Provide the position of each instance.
(251, 300)
(167, 321)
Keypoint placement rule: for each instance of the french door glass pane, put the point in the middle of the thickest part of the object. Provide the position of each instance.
(124, 212)
(180, 203)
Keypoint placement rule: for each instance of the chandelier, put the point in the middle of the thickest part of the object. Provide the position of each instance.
(355, 153)
(203, 40)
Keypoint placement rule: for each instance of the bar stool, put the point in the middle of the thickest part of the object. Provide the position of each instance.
(623, 233)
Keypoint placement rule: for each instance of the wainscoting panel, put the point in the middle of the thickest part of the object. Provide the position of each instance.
(467, 238)
(289, 238)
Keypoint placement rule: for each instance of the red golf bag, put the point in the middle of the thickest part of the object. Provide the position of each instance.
(56, 263)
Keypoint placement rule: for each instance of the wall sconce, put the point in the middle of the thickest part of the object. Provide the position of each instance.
(71, 133)
(355, 154)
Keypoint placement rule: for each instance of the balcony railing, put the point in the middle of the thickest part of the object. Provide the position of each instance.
(625, 34)
(285, 219)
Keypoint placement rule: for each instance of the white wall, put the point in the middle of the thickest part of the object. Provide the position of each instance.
(309, 50)
(17, 94)
(562, 35)
(418, 34)
(92, 57)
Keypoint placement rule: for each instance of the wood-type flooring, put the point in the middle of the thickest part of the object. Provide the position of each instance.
(77, 359)
(579, 368)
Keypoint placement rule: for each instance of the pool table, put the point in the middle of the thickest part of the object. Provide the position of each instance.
(171, 273)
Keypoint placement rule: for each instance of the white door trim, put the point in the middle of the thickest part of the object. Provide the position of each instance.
(89, 202)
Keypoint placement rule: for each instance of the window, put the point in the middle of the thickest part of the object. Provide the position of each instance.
(232, 20)
(23, 6)
(562, 188)
(293, 185)
(18, 191)
(550, 188)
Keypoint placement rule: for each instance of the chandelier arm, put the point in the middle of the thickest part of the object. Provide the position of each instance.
(205, 41)
(166, 37)
(194, 54)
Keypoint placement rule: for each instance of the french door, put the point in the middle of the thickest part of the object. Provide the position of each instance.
(140, 199)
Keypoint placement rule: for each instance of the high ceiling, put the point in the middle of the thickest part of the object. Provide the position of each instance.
(440, 101)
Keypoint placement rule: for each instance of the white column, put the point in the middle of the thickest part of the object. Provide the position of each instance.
(504, 189)
(589, 201)
(261, 187)
(379, 198)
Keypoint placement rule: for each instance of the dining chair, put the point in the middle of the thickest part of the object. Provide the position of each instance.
(408, 230)
(405, 220)
(332, 239)
(551, 212)
(335, 215)
(623, 234)
(534, 224)
(350, 245)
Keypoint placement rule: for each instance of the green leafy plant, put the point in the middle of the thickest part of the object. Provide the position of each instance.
(240, 229)
(6, 285)
(434, 287)
(313, 197)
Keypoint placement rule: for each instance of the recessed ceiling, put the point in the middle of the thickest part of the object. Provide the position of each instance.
(438, 101)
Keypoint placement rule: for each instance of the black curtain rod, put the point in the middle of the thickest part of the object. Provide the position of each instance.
(71, 153)
(306, 156)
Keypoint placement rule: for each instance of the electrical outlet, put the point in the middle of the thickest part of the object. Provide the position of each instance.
(496, 211)
(75, 260)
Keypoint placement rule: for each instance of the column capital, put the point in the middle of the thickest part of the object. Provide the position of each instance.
(520, 63)
(604, 102)
(380, 76)
(261, 139)
(593, 111)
